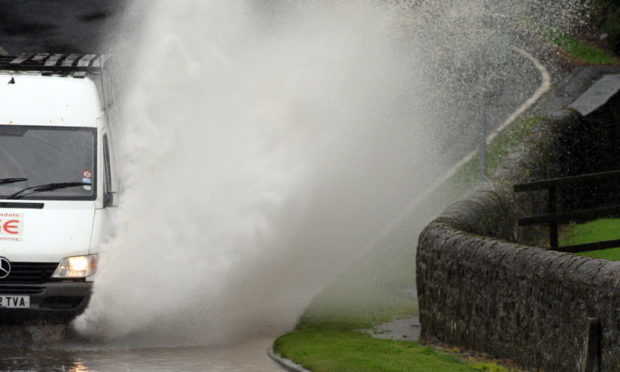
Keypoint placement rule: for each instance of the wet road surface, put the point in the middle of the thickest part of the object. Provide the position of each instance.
(56, 348)
(248, 356)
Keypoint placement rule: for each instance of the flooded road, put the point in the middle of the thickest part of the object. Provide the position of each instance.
(250, 356)
(44, 352)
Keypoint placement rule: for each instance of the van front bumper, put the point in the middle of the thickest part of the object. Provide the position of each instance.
(51, 302)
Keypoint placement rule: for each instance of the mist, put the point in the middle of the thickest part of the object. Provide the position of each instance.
(265, 144)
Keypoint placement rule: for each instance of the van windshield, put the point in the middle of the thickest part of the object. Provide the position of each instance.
(39, 155)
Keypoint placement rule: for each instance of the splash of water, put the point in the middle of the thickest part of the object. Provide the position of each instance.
(265, 143)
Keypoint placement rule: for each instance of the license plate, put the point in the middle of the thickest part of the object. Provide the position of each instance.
(14, 302)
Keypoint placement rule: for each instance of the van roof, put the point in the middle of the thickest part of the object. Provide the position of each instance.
(51, 89)
(35, 99)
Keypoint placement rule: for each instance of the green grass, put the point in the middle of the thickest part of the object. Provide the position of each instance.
(507, 140)
(328, 347)
(594, 231)
(577, 49)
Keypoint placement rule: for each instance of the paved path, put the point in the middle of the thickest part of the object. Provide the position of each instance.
(597, 95)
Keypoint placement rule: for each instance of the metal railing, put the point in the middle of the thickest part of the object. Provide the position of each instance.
(553, 217)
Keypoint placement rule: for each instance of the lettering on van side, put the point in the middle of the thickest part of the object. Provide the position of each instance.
(11, 226)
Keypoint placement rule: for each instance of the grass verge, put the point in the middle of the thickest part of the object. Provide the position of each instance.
(329, 347)
(579, 50)
(594, 231)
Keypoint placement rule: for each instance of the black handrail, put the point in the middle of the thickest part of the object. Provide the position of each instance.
(553, 216)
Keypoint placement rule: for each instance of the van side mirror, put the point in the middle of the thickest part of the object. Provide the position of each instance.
(110, 199)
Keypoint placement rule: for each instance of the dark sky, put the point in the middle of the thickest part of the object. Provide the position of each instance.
(61, 26)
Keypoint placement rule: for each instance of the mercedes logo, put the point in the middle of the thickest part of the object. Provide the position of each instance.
(5, 267)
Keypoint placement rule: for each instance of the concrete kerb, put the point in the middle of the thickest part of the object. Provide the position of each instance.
(286, 364)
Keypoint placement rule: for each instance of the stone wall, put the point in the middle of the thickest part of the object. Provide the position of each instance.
(479, 288)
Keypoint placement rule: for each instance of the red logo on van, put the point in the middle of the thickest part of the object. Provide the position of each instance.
(11, 226)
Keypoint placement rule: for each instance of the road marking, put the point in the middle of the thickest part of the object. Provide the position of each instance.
(542, 89)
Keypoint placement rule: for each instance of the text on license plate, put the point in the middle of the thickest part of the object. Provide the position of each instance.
(14, 302)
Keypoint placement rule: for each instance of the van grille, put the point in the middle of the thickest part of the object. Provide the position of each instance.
(19, 289)
(29, 272)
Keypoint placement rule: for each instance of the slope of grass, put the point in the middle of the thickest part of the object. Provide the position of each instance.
(594, 231)
(331, 346)
(577, 49)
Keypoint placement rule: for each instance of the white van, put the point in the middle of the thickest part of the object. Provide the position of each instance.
(56, 182)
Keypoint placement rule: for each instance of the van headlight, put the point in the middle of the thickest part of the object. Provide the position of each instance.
(76, 267)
